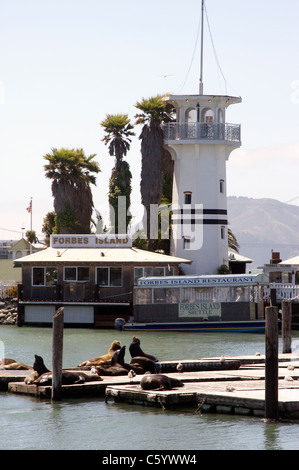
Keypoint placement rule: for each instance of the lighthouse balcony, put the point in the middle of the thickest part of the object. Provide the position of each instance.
(200, 131)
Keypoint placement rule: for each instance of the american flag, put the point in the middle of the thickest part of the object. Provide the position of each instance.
(29, 207)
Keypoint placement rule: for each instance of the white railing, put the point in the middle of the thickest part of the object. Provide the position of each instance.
(284, 292)
(5, 286)
(202, 130)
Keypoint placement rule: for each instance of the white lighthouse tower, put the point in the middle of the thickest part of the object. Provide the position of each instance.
(200, 142)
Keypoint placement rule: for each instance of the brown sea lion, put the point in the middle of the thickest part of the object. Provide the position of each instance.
(135, 350)
(102, 360)
(11, 364)
(118, 365)
(5, 361)
(139, 365)
(159, 382)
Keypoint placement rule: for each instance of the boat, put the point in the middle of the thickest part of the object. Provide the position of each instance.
(213, 303)
(257, 326)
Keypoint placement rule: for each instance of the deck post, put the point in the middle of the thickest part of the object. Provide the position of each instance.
(271, 364)
(286, 326)
(57, 348)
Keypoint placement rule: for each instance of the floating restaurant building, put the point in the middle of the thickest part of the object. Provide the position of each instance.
(91, 276)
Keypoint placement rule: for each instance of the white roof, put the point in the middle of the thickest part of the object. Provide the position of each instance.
(234, 256)
(291, 261)
(98, 255)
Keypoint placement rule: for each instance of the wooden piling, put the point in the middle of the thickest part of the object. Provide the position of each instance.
(57, 348)
(271, 363)
(286, 327)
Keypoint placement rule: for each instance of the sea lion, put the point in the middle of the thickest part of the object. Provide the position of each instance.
(118, 366)
(39, 365)
(67, 378)
(102, 360)
(144, 364)
(135, 350)
(43, 376)
(11, 364)
(39, 369)
(5, 361)
(159, 382)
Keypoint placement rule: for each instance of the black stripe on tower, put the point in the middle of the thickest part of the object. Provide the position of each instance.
(200, 211)
(176, 219)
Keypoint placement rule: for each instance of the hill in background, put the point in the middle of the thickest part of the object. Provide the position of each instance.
(263, 225)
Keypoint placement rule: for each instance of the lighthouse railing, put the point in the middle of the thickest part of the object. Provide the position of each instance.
(202, 131)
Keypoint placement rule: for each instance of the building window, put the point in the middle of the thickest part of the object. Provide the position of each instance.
(164, 271)
(76, 274)
(149, 271)
(186, 243)
(221, 185)
(44, 276)
(222, 233)
(187, 198)
(109, 277)
(146, 271)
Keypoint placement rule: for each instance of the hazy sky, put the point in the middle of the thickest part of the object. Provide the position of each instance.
(65, 64)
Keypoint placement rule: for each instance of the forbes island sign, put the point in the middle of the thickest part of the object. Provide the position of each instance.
(91, 241)
(202, 310)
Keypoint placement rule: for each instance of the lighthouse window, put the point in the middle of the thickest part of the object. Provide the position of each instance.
(186, 243)
(221, 185)
(222, 233)
(188, 197)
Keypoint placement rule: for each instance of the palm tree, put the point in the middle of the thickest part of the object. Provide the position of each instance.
(119, 131)
(232, 241)
(154, 112)
(71, 173)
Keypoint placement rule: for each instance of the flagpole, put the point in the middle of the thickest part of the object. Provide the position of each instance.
(31, 215)
(30, 222)
(201, 50)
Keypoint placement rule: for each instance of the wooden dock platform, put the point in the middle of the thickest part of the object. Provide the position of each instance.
(239, 392)
(209, 386)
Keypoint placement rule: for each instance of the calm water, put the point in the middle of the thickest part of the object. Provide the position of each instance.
(91, 424)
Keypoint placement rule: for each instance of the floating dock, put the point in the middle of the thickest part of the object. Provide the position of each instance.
(231, 385)
(239, 392)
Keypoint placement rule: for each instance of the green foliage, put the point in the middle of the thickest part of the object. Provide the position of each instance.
(139, 240)
(120, 185)
(12, 292)
(72, 173)
(72, 164)
(155, 109)
(223, 269)
(154, 183)
(118, 138)
(31, 236)
(49, 224)
(65, 219)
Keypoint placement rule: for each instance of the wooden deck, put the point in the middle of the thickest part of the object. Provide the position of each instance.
(226, 390)
(232, 392)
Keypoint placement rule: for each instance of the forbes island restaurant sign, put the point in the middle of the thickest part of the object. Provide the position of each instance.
(91, 241)
(202, 310)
